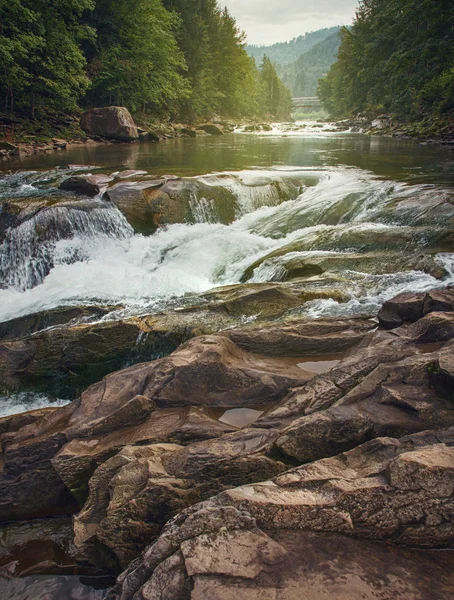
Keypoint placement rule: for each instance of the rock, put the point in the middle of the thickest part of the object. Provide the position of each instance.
(51, 588)
(188, 132)
(388, 490)
(59, 144)
(404, 307)
(211, 129)
(302, 338)
(409, 307)
(40, 547)
(148, 136)
(112, 122)
(24, 326)
(134, 493)
(384, 390)
(146, 205)
(208, 371)
(9, 148)
(86, 185)
(128, 174)
(13, 423)
(441, 374)
(65, 359)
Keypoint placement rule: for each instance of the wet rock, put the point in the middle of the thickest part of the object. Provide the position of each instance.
(112, 122)
(146, 205)
(24, 326)
(262, 300)
(51, 588)
(188, 132)
(85, 185)
(43, 546)
(68, 356)
(387, 489)
(148, 136)
(211, 129)
(409, 307)
(302, 338)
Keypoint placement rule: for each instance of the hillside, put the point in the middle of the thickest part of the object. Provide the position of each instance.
(285, 53)
(302, 76)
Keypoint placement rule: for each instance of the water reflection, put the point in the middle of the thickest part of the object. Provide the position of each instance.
(404, 160)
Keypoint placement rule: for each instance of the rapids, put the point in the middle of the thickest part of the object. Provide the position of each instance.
(365, 230)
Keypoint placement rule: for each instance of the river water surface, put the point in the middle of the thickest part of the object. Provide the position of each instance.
(372, 214)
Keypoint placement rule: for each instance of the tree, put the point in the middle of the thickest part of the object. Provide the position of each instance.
(136, 61)
(40, 54)
(398, 57)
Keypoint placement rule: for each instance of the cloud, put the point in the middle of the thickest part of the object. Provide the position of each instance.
(271, 21)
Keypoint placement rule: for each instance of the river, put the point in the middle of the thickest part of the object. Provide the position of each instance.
(360, 218)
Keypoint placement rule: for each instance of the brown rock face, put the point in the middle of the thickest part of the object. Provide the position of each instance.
(408, 307)
(85, 185)
(121, 410)
(112, 122)
(248, 542)
(134, 493)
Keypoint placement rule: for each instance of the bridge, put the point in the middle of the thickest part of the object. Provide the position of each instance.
(309, 103)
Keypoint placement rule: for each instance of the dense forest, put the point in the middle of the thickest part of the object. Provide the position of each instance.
(303, 75)
(171, 58)
(284, 53)
(397, 58)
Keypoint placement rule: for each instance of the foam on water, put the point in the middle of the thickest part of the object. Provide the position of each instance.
(25, 401)
(100, 260)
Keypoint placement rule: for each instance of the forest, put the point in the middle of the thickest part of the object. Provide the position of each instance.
(168, 58)
(398, 58)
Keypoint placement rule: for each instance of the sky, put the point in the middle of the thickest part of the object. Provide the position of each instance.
(269, 21)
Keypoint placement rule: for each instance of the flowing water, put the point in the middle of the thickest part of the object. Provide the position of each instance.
(369, 217)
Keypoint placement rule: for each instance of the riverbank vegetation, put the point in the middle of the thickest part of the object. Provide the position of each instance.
(397, 58)
(178, 59)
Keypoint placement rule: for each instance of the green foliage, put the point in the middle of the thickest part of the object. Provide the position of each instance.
(286, 53)
(137, 62)
(41, 60)
(303, 75)
(398, 57)
(276, 97)
(162, 57)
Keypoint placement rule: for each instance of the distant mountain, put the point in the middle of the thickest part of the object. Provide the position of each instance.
(285, 53)
(302, 76)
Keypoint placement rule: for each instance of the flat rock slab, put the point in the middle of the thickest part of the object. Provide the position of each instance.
(318, 566)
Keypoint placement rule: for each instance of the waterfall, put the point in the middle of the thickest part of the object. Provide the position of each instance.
(30, 250)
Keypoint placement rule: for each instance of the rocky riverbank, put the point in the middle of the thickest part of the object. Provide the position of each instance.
(428, 129)
(202, 474)
(110, 125)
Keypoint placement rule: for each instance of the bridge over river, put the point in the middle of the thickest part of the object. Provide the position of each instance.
(308, 103)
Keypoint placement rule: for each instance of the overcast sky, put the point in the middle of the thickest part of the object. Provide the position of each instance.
(270, 21)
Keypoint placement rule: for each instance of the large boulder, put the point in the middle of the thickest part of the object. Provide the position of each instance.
(248, 542)
(111, 122)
